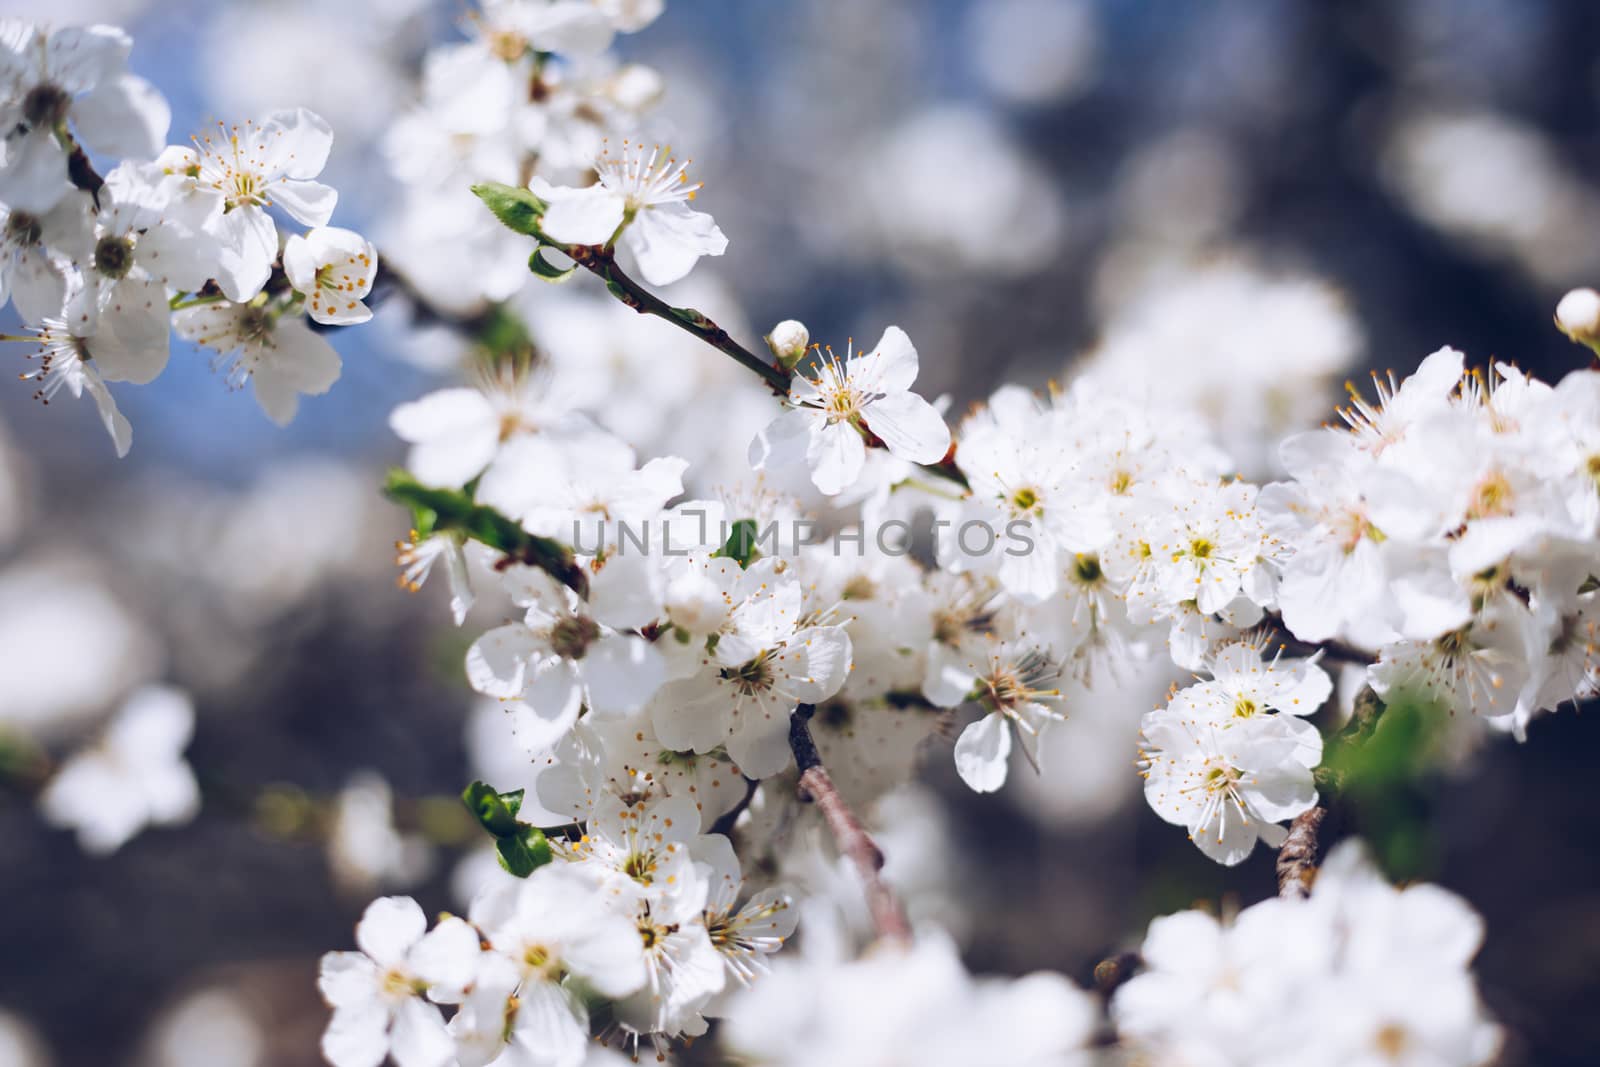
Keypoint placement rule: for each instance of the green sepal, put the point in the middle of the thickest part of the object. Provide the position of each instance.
(741, 544)
(543, 269)
(517, 208)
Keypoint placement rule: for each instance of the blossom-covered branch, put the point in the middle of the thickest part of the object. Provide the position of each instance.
(887, 915)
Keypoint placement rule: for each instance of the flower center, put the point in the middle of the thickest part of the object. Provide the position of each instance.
(1244, 708)
(507, 45)
(1086, 568)
(1391, 1041)
(255, 326)
(1491, 497)
(751, 678)
(571, 636)
(45, 106)
(25, 229)
(113, 256)
(539, 960)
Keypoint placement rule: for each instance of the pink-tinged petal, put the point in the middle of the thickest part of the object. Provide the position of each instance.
(909, 426)
(982, 752)
(126, 117)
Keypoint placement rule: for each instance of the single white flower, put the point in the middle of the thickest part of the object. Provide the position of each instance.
(559, 660)
(79, 351)
(334, 270)
(255, 166)
(580, 488)
(646, 199)
(744, 936)
(752, 674)
(416, 557)
(35, 250)
(76, 75)
(831, 411)
(1015, 686)
(377, 994)
(1229, 784)
(551, 925)
(455, 433)
(277, 353)
(134, 777)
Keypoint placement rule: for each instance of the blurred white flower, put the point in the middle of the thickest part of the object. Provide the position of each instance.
(46, 685)
(1034, 51)
(133, 777)
(365, 849)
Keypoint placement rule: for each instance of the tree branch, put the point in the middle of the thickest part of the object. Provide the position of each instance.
(852, 838)
(603, 263)
(1300, 854)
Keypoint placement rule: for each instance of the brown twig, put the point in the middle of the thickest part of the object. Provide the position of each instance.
(1300, 854)
(888, 916)
(602, 263)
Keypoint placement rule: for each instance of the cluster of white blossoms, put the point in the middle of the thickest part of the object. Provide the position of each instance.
(533, 91)
(1231, 757)
(1358, 974)
(1452, 528)
(642, 921)
(172, 239)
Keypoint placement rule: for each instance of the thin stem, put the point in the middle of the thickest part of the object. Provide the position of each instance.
(177, 303)
(852, 838)
(602, 263)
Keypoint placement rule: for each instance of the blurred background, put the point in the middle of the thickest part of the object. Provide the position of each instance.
(1235, 203)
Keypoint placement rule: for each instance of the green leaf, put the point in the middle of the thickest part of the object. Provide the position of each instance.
(514, 206)
(543, 268)
(453, 511)
(495, 812)
(524, 853)
(741, 544)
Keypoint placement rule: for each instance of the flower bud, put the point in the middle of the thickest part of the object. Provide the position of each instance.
(1578, 316)
(788, 341)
